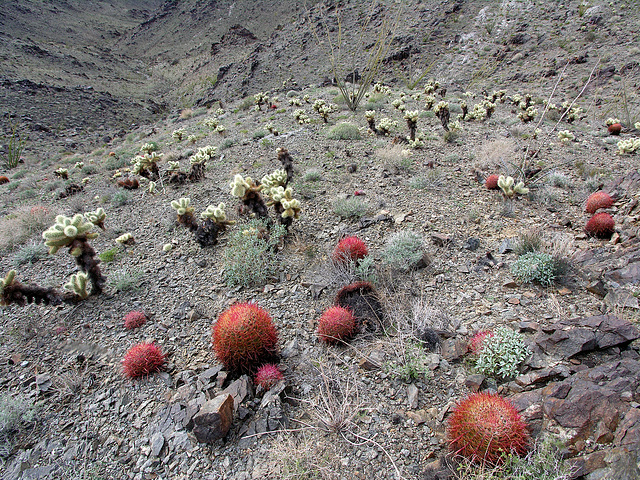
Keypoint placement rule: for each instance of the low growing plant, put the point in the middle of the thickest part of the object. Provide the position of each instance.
(403, 250)
(502, 353)
(537, 267)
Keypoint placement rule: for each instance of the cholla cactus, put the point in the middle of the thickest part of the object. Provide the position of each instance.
(307, 98)
(125, 239)
(628, 146)
(295, 102)
(178, 134)
(221, 129)
(370, 115)
(192, 139)
(301, 117)
(272, 129)
(571, 113)
(260, 99)
(323, 109)
(79, 165)
(528, 114)
(173, 166)
(240, 186)
(442, 112)
(199, 160)
(565, 137)
(498, 95)
(429, 100)
(152, 188)
(182, 206)
(454, 126)
(508, 188)
(287, 206)
(146, 165)
(78, 285)
(412, 122)
(62, 173)
(65, 231)
(217, 214)
(385, 125)
(149, 147)
(611, 121)
(636, 125)
(12, 291)
(212, 122)
(399, 104)
(431, 87)
(278, 178)
(379, 88)
(97, 217)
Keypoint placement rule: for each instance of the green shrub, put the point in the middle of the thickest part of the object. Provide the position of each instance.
(352, 207)
(109, 255)
(15, 413)
(113, 163)
(502, 353)
(312, 175)
(124, 280)
(403, 250)
(250, 258)
(529, 241)
(120, 198)
(89, 169)
(344, 131)
(30, 253)
(227, 143)
(535, 267)
(258, 134)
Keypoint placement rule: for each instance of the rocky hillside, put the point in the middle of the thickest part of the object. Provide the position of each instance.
(470, 288)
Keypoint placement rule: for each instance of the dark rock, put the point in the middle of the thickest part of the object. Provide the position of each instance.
(214, 419)
(506, 246)
(240, 389)
(597, 287)
(453, 349)
(475, 382)
(471, 244)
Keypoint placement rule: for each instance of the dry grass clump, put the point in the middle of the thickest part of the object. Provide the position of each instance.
(23, 224)
(309, 455)
(495, 155)
(395, 158)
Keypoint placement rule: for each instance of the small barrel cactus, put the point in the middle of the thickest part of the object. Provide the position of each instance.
(267, 376)
(477, 341)
(336, 325)
(492, 182)
(244, 337)
(349, 248)
(601, 225)
(485, 427)
(598, 200)
(134, 319)
(142, 359)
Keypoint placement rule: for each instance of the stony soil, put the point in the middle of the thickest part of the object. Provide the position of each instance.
(91, 422)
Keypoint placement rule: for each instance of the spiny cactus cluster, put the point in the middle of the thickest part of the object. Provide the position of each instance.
(142, 359)
(146, 165)
(336, 324)
(412, 123)
(349, 249)
(323, 109)
(77, 284)
(244, 338)
(485, 427)
(598, 200)
(199, 162)
(510, 188)
(267, 376)
(97, 217)
(215, 220)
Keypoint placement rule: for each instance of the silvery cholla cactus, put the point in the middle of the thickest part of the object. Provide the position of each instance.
(507, 186)
(628, 146)
(65, 231)
(8, 280)
(173, 166)
(203, 154)
(97, 217)
(217, 214)
(260, 98)
(284, 197)
(144, 163)
(278, 178)
(182, 206)
(125, 239)
(78, 285)
(148, 148)
(240, 186)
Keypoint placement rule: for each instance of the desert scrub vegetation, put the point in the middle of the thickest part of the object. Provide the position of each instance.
(16, 414)
(29, 253)
(352, 207)
(344, 131)
(26, 222)
(403, 250)
(251, 256)
(15, 145)
(537, 267)
(501, 353)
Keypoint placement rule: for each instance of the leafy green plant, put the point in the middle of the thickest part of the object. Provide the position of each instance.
(250, 257)
(352, 207)
(125, 280)
(502, 353)
(535, 267)
(403, 250)
(15, 144)
(411, 366)
(109, 255)
(312, 175)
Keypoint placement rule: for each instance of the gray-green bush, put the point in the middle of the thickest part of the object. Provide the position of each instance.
(403, 250)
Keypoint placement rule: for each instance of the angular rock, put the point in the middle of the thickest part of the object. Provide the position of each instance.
(474, 382)
(214, 419)
(157, 442)
(453, 349)
(412, 396)
(240, 389)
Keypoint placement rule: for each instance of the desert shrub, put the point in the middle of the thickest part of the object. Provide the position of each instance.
(120, 198)
(352, 207)
(29, 253)
(528, 241)
(411, 366)
(227, 143)
(109, 255)
(124, 280)
(535, 267)
(250, 256)
(15, 413)
(312, 175)
(403, 250)
(258, 134)
(502, 353)
(344, 131)
(115, 162)
(432, 179)
(559, 180)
